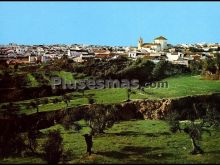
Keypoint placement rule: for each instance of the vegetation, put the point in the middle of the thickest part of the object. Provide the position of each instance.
(135, 141)
(129, 93)
(211, 68)
(195, 126)
(100, 117)
(178, 86)
(53, 147)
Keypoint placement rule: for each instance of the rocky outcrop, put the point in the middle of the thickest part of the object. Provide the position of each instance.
(154, 109)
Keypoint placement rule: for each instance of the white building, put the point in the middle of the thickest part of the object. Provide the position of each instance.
(174, 56)
(46, 58)
(162, 41)
(159, 44)
(138, 54)
(32, 58)
(84, 57)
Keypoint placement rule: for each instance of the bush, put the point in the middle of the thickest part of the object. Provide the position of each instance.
(56, 100)
(12, 143)
(53, 148)
(140, 69)
(91, 100)
(195, 66)
(45, 101)
(161, 70)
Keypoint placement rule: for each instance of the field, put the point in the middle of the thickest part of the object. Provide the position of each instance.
(135, 141)
(178, 86)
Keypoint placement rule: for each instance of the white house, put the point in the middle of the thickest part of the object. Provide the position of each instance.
(137, 54)
(181, 61)
(46, 58)
(20, 50)
(174, 56)
(32, 58)
(83, 57)
(132, 54)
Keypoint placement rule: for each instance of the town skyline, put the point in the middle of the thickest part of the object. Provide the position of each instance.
(108, 23)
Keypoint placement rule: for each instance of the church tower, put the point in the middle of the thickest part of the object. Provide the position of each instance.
(140, 43)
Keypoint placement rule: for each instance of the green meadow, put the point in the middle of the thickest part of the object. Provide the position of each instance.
(178, 86)
(134, 141)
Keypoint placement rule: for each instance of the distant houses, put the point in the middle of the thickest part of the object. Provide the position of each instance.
(155, 51)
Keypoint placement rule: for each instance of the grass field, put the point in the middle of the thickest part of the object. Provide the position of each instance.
(185, 85)
(178, 86)
(136, 141)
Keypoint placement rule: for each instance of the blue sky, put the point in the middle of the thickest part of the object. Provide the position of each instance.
(108, 23)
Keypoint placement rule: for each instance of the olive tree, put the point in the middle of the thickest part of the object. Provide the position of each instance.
(195, 126)
(100, 117)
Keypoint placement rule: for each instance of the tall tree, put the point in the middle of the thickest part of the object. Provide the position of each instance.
(100, 117)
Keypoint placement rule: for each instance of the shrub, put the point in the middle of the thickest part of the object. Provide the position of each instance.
(53, 148)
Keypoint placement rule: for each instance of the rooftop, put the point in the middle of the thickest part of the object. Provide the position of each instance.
(160, 38)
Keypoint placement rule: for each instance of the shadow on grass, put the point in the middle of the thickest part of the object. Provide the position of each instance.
(213, 152)
(142, 153)
(132, 133)
(138, 149)
(114, 154)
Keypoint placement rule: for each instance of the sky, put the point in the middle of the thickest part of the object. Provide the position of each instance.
(108, 23)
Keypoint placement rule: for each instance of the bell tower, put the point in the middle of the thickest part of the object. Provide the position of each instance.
(140, 43)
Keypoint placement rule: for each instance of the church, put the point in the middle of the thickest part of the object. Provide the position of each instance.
(159, 44)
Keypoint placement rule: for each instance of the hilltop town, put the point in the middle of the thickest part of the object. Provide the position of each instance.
(159, 49)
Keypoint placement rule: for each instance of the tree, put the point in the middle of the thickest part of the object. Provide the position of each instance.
(140, 69)
(195, 128)
(160, 70)
(35, 104)
(91, 100)
(217, 60)
(12, 141)
(16, 67)
(82, 91)
(195, 66)
(11, 108)
(129, 93)
(66, 99)
(100, 117)
(217, 63)
(53, 147)
(32, 142)
(45, 101)
(209, 65)
(56, 100)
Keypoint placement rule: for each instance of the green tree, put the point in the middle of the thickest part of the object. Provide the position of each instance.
(100, 117)
(161, 69)
(129, 93)
(140, 69)
(56, 100)
(35, 104)
(66, 99)
(209, 65)
(195, 128)
(91, 100)
(53, 147)
(195, 66)
(11, 108)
